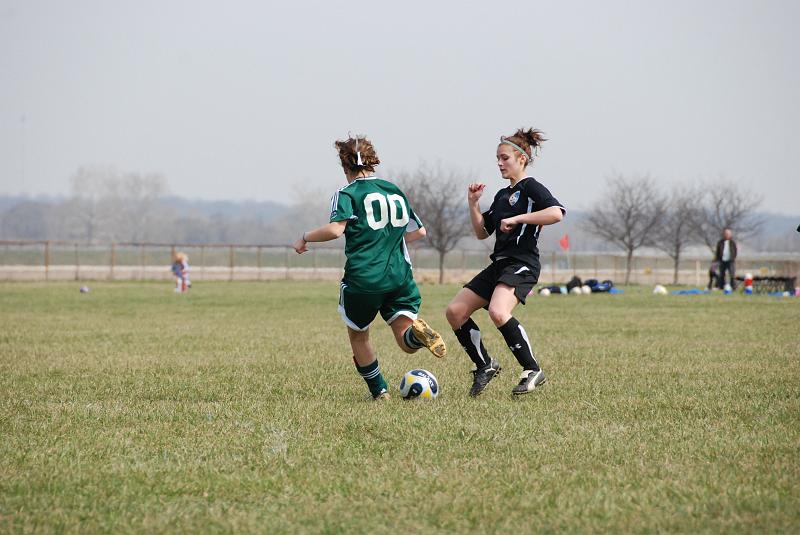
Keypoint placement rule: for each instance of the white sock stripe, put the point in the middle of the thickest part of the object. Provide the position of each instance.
(527, 341)
(374, 373)
(475, 337)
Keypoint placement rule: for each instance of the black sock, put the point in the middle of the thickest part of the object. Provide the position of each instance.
(517, 340)
(469, 336)
(410, 340)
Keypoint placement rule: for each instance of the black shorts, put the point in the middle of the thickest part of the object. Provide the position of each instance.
(514, 273)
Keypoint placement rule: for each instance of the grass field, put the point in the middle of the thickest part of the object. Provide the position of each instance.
(236, 408)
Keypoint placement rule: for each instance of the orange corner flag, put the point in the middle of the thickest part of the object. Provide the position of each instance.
(564, 242)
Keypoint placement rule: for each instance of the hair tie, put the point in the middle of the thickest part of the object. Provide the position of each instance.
(505, 141)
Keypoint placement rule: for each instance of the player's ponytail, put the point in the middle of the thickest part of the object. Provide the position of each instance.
(526, 142)
(357, 154)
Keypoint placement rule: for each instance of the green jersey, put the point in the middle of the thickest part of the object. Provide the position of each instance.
(377, 214)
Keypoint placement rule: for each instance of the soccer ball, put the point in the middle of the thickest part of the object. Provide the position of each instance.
(84, 289)
(419, 383)
(586, 290)
(544, 292)
(576, 291)
(659, 290)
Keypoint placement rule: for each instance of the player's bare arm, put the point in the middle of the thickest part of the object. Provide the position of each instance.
(474, 192)
(415, 235)
(548, 216)
(328, 232)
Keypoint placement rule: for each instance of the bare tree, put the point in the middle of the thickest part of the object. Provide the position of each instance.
(723, 205)
(628, 215)
(135, 197)
(438, 197)
(676, 232)
(86, 208)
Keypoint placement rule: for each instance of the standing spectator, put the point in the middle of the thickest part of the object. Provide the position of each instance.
(726, 256)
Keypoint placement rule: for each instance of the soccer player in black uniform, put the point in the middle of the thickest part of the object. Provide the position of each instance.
(516, 216)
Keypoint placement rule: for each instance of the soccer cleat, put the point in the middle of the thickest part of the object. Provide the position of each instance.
(528, 381)
(382, 396)
(429, 338)
(482, 376)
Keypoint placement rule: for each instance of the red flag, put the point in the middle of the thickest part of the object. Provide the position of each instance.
(564, 242)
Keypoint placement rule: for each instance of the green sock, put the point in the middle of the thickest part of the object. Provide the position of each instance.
(373, 376)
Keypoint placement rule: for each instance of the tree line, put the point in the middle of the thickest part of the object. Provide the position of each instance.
(107, 205)
(634, 212)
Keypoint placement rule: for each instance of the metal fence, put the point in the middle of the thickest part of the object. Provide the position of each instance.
(60, 260)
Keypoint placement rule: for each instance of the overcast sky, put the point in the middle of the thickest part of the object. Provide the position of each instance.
(243, 100)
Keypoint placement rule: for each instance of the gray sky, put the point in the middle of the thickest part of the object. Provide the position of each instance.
(243, 100)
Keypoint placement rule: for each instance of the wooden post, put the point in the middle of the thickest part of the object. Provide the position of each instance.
(141, 260)
(202, 262)
(697, 272)
(655, 270)
(47, 260)
(231, 254)
(113, 260)
(314, 263)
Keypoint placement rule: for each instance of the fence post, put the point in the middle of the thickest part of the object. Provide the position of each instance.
(77, 264)
(314, 262)
(141, 260)
(697, 272)
(113, 260)
(655, 270)
(286, 262)
(231, 254)
(202, 262)
(47, 260)
(258, 261)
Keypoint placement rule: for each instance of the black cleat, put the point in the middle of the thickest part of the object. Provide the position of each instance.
(482, 376)
(529, 380)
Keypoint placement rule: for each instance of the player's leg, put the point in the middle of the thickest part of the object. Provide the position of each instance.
(504, 299)
(358, 311)
(367, 365)
(400, 310)
(459, 313)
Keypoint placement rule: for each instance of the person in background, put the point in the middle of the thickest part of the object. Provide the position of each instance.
(180, 268)
(726, 256)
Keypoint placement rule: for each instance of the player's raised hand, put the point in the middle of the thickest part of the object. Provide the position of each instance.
(475, 190)
(300, 246)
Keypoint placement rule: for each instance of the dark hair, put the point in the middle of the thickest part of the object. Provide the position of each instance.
(528, 140)
(349, 157)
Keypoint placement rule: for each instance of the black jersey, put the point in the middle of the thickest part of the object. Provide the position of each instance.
(521, 243)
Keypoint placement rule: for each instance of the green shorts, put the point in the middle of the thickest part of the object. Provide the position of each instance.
(359, 309)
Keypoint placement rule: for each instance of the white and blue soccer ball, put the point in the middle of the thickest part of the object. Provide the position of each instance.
(419, 383)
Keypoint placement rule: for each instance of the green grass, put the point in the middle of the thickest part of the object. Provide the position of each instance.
(236, 408)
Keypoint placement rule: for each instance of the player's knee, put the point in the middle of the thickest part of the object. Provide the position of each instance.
(498, 316)
(456, 315)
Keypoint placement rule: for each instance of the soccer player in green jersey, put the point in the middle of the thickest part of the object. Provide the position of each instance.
(377, 222)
